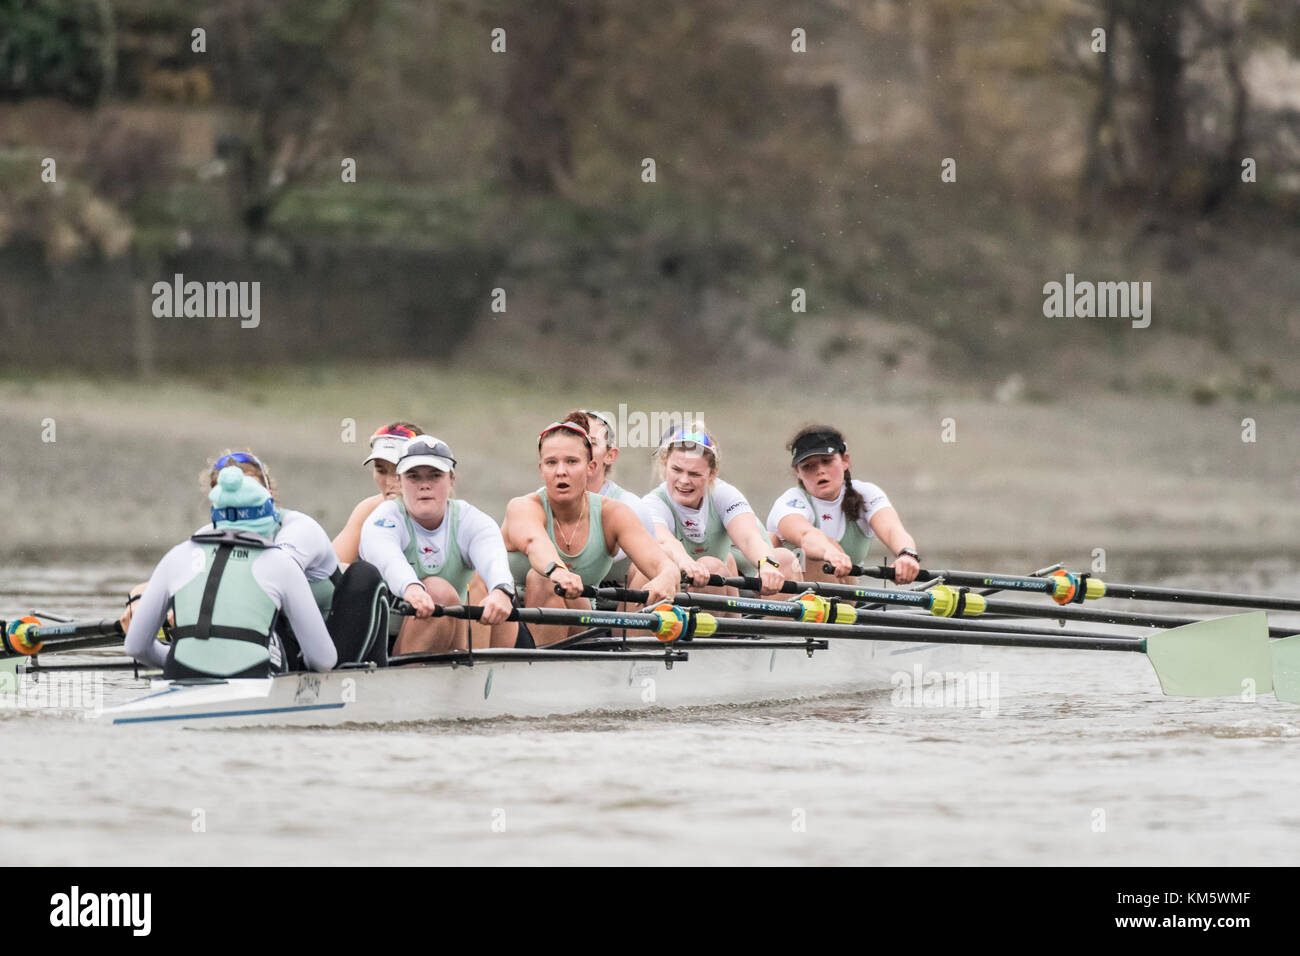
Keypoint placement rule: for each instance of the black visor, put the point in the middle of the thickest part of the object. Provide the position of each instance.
(816, 443)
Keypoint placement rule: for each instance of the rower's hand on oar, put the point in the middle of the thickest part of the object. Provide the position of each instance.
(496, 608)
(841, 565)
(662, 588)
(906, 568)
(696, 574)
(772, 579)
(132, 597)
(568, 582)
(420, 600)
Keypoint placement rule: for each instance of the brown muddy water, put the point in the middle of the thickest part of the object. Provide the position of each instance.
(1065, 758)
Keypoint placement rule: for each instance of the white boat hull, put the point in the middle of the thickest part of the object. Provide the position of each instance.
(418, 692)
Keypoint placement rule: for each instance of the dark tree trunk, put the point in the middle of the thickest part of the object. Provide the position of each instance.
(1099, 167)
(537, 146)
(1156, 26)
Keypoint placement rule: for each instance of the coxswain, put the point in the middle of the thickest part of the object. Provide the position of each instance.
(297, 532)
(226, 588)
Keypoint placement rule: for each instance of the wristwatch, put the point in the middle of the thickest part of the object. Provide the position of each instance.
(911, 554)
(507, 589)
(772, 561)
(550, 568)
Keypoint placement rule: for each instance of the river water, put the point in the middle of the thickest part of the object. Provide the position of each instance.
(1076, 759)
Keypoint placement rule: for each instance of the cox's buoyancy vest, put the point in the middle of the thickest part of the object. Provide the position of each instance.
(224, 619)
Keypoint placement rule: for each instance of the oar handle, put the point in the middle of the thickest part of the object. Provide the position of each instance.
(753, 584)
(881, 571)
(626, 595)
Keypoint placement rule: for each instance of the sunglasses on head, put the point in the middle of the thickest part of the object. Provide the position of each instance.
(685, 437)
(437, 449)
(398, 431)
(243, 458)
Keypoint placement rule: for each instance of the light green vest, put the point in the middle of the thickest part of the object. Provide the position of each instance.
(223, 617)
(592, 564)
(454, 569)
(853, 541)
(716, 543)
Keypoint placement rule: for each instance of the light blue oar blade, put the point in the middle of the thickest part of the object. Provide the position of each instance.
(9, 675)
(1221, 657)
(1286, 669)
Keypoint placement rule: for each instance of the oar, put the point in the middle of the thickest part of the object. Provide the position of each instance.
(1286, 669)
(1221, 657)
(1066, 588)
(815, 609)
(944, 601)
(1104, 616)
(27, 636)
(666, 624)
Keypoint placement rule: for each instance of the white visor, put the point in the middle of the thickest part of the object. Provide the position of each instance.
(388, 448)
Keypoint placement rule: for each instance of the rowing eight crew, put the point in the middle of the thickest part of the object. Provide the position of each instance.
(223, 588)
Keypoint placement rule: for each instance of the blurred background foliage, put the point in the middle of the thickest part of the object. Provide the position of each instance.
(775, 169)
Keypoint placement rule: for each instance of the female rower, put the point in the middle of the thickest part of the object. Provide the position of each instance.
(604, 452)
(564, 535)
(832, 516)
(386, 446)
(227, 587)
(428, 545)
(298, 533)
(698, 517)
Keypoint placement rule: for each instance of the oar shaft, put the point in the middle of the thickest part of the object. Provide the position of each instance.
(947, 635)
(1100, 616)
(66, 636)
(921, 599)
(713, 602)
(864, 616)
(1219, 599)
(1131, 591)
(552, 615)
(70, 630)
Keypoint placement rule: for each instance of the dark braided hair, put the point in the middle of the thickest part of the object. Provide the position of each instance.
(853, 500)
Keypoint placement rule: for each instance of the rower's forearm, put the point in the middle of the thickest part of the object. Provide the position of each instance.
(150, 613)
(387, 557)
(817, 545)
(756, 548)
(900, 542)
(541, 552)
(676, 551)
